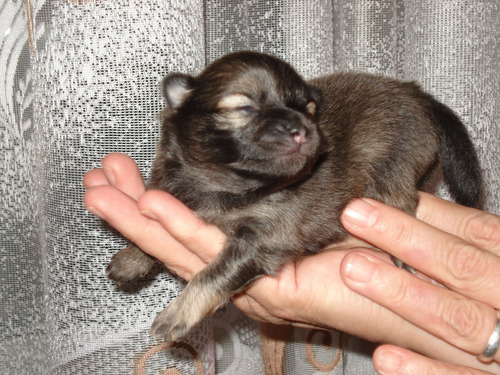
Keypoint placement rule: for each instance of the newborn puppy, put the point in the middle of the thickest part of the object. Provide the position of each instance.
(272, 160)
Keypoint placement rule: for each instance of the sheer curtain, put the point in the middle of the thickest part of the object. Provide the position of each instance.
(80, 79)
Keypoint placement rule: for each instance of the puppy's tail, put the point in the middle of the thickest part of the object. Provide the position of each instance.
(461, 170)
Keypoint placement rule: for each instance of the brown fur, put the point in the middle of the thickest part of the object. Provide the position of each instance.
(274, 169)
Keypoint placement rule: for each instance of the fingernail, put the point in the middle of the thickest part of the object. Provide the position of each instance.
(110, 175)
(149, 214)
(360, 269)
(389, 363)
(360, 213)
(95, 212)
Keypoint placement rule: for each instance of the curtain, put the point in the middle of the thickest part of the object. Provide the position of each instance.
(80, 79)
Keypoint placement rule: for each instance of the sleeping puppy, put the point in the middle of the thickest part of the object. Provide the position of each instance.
(272, 160)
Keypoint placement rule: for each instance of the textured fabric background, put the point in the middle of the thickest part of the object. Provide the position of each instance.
(79, 79)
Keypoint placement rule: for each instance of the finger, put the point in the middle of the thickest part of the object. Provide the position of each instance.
(204, 240)
(95, 177)
(389, 360)
(256, 304)
(476, 227)
(442, 256)
(112, 205)
(460, 321)
(294, 294)
(122, 172)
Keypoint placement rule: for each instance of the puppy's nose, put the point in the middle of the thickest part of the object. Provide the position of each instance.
(298, 135)
(296, 130)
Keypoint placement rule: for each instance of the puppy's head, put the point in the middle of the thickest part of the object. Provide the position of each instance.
(247, 112)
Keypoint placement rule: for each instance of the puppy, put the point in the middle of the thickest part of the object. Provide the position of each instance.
(272, 160)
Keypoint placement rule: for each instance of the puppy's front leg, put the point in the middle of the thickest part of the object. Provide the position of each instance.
(233, 269)
(129, 265)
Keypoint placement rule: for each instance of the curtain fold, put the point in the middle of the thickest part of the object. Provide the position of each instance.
(90, 87)
(80, 79)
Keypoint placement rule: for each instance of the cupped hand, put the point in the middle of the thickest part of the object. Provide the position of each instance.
(309, 292)
(457, 246)
(166, 229)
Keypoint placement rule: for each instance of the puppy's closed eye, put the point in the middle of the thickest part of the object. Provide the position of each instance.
(237, 108)
(248, 109)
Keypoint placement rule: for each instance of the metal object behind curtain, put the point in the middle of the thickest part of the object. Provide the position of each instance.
(80, 79)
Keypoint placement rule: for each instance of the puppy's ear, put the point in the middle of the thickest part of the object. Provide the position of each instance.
(176, 88)
(317, 95)
(315, 107)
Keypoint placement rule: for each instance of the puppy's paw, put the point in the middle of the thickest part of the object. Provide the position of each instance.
(187, 311)
(175, 322)
(129, 264)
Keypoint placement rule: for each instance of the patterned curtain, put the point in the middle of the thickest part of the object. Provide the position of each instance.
(80, 79)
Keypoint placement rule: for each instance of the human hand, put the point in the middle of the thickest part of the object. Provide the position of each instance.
(455, 245)
(166, 229)
(310, 291)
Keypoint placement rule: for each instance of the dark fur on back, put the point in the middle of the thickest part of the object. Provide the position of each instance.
(272, 160)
